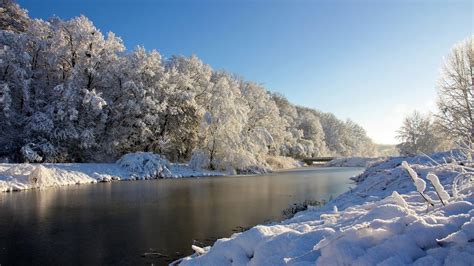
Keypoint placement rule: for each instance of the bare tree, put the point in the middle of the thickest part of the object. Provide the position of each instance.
(456, 94)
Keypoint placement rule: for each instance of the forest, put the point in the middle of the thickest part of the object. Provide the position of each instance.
(70, 93)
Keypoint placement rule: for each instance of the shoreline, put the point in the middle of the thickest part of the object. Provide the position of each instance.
(26, 176)
(368, 224)
(15, 177)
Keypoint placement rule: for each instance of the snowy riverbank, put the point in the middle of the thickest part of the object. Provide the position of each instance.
(382, 221)
(138, 166)
(132, 166)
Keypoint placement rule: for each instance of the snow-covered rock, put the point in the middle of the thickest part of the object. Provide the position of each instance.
(382, 221)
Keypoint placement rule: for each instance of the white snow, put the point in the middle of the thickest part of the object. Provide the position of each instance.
(383, 221)
(442, 194)
(14, 177)
(26, 176)
(420, 184)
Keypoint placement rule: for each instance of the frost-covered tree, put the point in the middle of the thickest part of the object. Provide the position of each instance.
(70, 93)
(289, 115)
(13, 17)
(220, 138)
(83, 63)
(456, 92)
(14, 86)
(303, 135)
(179, 125)
(418, 135)
(334, 133)
(5, 105)
(357, 141)
(190, 86)
(263, 132)
(191, 74)
(136, 103)
(61, 74)
(313, 134)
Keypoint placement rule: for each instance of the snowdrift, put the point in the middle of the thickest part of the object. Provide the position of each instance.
(384, 220)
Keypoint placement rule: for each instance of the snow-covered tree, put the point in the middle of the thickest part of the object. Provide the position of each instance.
(187, 100)
(13, 17)
(15, 90)
(456, 92)
(263, 132)
(289, 115)
(357, 141)
(334, 134)
(70, 93)
(220, 138)
(191, 74)
(418, 135)
(313, 134)
(5, 105)
(136, 103)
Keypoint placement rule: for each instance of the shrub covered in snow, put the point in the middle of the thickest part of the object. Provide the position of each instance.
(146, 165)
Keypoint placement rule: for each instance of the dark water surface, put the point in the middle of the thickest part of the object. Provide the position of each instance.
(116, 223)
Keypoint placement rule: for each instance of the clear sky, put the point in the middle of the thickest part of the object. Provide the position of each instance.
(370, 61)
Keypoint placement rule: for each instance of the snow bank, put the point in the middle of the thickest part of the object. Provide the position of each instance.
(382, 221)
(135, 166)
(354, 162)
(27, 176)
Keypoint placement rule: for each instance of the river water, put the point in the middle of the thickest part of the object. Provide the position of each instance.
(117, 223)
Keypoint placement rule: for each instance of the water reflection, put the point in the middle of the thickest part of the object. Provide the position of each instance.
(114, 223)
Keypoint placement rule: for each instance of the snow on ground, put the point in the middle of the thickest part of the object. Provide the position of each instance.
(353, 162)
(382, 221)
(135, 166)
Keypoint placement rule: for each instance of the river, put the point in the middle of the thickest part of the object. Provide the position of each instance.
(117, 223)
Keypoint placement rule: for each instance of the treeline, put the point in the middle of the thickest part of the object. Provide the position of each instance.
(70, 94)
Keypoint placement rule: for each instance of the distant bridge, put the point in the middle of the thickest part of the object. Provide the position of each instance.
(310, 161)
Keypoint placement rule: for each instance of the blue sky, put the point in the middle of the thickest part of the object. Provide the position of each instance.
(370, 61)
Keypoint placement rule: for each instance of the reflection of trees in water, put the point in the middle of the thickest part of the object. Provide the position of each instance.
(113, 223)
